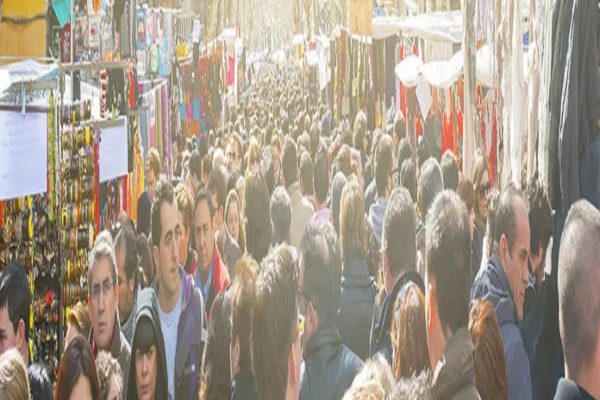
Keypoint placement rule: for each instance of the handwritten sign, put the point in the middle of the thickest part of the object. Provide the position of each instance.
(360, 18)
(23, 154)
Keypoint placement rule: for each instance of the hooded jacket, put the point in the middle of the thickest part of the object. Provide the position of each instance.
(381, 328)
(148, 308)
(356, 305)
(492, 284)
(454, 375)
(191, 337)
(329, 366)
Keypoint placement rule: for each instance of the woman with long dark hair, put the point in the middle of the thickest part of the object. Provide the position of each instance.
(77, 377)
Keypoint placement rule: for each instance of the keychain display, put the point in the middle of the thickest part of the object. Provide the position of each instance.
(77, 210)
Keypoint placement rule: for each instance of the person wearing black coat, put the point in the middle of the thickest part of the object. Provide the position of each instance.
(147, 334)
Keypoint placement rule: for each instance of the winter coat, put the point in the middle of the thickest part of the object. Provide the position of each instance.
(492, 284)
(454, 375)
(329, 366)
(148, 308)
(356, 306)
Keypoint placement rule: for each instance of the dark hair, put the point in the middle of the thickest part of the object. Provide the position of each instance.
(289, 162)
(281, 216)
(505, 219)
(360, 129)
(404, 153)
(322, 268)
(15, 295)
(408, 178)
(218, 186)
(448, 258)
(216, 379)
(207, 163)
(40, 386)
(77, 360)
(242, 301)
(258, 216)
(399, 126)
(306, 172)
(315, 136)
(126, 240)
(274, 321)
(195, 165)
(354, 228)
(384, 160)
(232, 180)
(321, 174)
(540, 217)
(399, 232)
(423, 152)
(450, 170)
(578, 282)
(164, 194)
(431, 184)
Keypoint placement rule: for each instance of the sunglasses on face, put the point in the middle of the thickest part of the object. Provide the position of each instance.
(484, 190)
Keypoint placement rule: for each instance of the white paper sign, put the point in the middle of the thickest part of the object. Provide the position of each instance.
(23, 154)
(113, 152)
(423, 92)
(196, 31)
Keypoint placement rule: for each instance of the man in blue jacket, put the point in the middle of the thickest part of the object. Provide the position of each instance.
(180, 304)
(503, 282)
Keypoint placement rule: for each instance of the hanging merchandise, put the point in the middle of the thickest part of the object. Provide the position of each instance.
(29, 235)
(78, 199)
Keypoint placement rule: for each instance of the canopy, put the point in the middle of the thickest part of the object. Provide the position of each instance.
(25, 71)
(439, 26)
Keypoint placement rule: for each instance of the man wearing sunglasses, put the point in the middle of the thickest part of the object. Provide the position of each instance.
(329, 365)
(103, 303)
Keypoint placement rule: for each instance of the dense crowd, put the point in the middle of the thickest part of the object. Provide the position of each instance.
(296, 256)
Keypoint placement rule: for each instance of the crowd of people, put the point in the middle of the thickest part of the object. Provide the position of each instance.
(293, 256)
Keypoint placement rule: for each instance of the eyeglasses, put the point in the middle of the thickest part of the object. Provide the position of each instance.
(105, 289)
(484, 190)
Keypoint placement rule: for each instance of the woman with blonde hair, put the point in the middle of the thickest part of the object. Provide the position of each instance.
(14, 384)
(358, 290)
(409, 333)
(490, 367)
(481, 185)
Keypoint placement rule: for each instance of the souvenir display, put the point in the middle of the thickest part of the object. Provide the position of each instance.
(77, 174)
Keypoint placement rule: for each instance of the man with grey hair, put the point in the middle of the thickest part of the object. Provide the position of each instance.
(579, 303)
(281, 216)
(103, 303)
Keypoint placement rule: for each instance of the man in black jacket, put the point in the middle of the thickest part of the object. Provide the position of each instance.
(579, 303)
(399, 258)
(329, 366)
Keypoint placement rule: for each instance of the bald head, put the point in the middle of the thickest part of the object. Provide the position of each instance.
(578, 283)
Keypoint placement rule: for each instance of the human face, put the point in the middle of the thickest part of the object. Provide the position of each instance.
(126, 286)
(114, 391)
(8, 336)
(150, 180)
(184, 238)
(145, 373)
(218, 217)
(482, 196)
(233, 156)
(103, 304)
(516, 259)
(233, 220)
(81, 389)
(166, 255)
(276, 157)
(203, 235)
